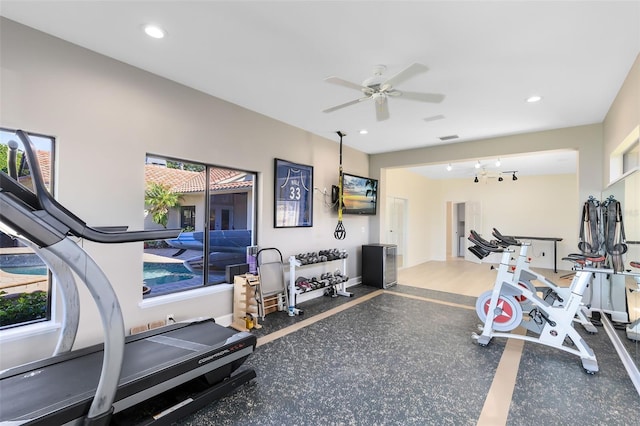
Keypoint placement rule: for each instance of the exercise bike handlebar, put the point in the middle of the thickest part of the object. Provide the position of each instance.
(506, 240)
(491, 246)
(76, 226)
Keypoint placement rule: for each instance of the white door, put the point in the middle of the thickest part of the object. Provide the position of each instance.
(472, 220)
(221, 217)
(458, 231)
(396, 226)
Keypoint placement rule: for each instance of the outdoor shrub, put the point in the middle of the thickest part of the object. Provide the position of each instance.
(22, 307)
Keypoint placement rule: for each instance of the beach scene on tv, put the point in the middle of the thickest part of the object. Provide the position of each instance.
(359, 194)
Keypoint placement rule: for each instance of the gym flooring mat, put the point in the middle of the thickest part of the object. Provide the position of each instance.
(404, 356)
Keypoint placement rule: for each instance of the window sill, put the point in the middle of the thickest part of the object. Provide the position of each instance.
(27, 331)
(185, 295)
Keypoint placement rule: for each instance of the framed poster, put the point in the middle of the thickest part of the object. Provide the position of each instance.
(293, 195)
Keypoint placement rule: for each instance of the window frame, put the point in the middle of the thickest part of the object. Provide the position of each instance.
(251, 200)
(50, 306)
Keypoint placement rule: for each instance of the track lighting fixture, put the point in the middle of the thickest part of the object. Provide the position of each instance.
(475, 180)
(500, 179)
(477, 164)
(498, 162)
(513, 177)
(449, 168)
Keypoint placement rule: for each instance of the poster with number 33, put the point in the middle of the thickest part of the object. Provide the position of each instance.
(293, 195)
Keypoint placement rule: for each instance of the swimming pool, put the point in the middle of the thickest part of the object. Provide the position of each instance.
(165, 273)
(25, 270)
(152, 273)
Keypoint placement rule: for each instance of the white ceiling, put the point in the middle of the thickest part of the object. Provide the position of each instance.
(533, 164)
(272, 57)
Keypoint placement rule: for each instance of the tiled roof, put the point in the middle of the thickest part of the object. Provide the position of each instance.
(44, 158)
(166, 176)
(183, 181)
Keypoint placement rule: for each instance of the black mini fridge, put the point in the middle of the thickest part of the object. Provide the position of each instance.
(379, 266)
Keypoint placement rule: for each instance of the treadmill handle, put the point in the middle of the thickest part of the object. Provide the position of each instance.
(76, 226)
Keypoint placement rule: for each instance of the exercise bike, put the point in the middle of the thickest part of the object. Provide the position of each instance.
(501, 312)
(524, 276)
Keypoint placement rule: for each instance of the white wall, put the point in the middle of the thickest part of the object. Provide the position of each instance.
(526, 207)
(587, 140)
(106, 116)
(623, 119)
(423, 216)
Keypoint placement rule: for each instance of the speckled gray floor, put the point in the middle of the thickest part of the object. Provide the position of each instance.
(632, 346)
(395, 360)
(551, 385)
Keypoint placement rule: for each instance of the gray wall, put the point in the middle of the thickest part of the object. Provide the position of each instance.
(106, 116)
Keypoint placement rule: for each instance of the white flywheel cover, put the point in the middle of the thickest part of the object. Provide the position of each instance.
(507, 314)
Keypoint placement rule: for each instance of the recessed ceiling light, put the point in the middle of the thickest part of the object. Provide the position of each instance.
(364, 131)
(534, 98)
(154, 31)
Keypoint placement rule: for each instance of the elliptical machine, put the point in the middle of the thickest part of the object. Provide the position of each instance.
(501, 312)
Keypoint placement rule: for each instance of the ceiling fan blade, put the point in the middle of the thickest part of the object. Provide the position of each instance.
(404, 75)
(337, 107)
(434, 117)
(422, 97)
(382, 108)
(345, 83)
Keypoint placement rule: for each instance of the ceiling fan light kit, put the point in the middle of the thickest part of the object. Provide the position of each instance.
(380, 89)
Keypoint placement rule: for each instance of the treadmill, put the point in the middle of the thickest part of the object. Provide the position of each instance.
(154, 377)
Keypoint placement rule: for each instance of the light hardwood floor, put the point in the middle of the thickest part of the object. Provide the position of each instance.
(462, 277)
(471, 279)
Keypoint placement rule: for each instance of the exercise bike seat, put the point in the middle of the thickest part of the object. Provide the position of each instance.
(582, 258)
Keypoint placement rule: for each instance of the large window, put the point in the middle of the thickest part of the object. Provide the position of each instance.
(213, 206)
(188, 218)
(631, 158)
(25, 283)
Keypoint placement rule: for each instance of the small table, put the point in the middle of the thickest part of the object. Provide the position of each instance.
(555, 246)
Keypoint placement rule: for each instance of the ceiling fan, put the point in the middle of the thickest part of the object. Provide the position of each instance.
(380, 88)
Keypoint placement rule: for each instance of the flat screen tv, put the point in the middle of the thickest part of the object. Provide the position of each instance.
(359, 195)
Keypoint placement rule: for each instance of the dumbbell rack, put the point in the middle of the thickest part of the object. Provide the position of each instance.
(295, 263)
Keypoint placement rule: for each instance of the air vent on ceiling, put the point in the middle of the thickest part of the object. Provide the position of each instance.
(448, 138)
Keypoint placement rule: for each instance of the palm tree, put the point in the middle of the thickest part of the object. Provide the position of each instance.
(159, 199)
(372, 189)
